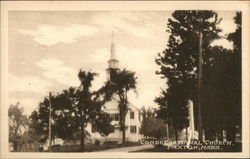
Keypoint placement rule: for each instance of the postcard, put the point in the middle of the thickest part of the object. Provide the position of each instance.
(124, 79)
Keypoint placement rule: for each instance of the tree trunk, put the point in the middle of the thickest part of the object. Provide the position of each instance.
(123, 136)
(200, 126)
(15, 146)
(210, 134)
(176, 134)
(124, 118)
(186, 132)
(167, 127)
(82, 137)
(220, 135)
(123, 129)
(231, 134)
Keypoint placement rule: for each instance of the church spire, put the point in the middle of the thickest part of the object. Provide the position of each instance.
(112, 62)
(112, 51)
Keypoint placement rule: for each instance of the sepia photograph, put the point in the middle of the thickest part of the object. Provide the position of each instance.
(120, 80)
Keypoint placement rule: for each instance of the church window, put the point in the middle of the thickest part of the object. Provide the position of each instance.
(132, 115)
(140, 130)
(133, 129)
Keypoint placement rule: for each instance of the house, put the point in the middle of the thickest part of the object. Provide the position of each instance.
(132, 120)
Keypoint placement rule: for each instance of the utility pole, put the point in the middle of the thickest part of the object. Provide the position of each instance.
(49, 122)
(200, 129)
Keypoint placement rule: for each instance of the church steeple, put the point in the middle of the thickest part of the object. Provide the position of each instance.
(112, 50)
(112, 62)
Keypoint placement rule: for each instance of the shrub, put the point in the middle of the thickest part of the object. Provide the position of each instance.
(110, 142)
(97, 142)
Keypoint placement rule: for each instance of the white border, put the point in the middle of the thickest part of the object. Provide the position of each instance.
(122, 6)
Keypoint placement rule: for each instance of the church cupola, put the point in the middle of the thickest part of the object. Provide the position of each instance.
(112, 62)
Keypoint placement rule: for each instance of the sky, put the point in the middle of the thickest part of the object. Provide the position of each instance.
(48, 48)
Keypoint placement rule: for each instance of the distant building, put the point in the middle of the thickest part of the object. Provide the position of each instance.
(133, 117)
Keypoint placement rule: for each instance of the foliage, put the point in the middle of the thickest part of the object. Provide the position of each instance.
(222, 93)
(121, 82)
(179, 61)
(151, 126)
(236, 71)
(102, 123)
(72, 111)
(63, 126)
(221, 73)
(18, 123)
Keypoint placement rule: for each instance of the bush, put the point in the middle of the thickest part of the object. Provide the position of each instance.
(97, 143)
(40, 149)
(110, 142)
(56, 148)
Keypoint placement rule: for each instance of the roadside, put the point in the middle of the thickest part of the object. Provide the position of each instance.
(93, 147)
(129, 149)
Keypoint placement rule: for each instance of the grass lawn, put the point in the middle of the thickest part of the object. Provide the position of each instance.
(91, 148)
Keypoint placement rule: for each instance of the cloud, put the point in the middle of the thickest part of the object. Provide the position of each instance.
(53, 34)
(139, 59)
(30, 90)
(125, 21)
(228, 26)
(28, 104)
(223, 42)
(99, 55)
(27, 90)
(27, 83)
(55, 69)
(99, 80)
(148, 87)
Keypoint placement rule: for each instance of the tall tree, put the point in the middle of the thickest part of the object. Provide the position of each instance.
(179, 61)
(121, 82)
(89, 106)
(222, 91)
(18, 123)
(235, 94)
(215, 93)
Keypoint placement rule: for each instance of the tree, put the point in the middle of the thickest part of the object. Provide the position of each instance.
(17, 125)
(88, 107)
(179, 62)
(121, 82)
(216, 101)
(235, 94)
(222, 91)
(62, 125)
(72, 110)
(151, 126)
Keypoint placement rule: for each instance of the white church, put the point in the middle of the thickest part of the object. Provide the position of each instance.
(133, 118)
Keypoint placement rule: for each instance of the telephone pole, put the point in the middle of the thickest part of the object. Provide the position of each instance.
(49, 122)
(200, 129)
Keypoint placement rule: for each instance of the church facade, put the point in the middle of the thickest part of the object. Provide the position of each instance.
(133, 117)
